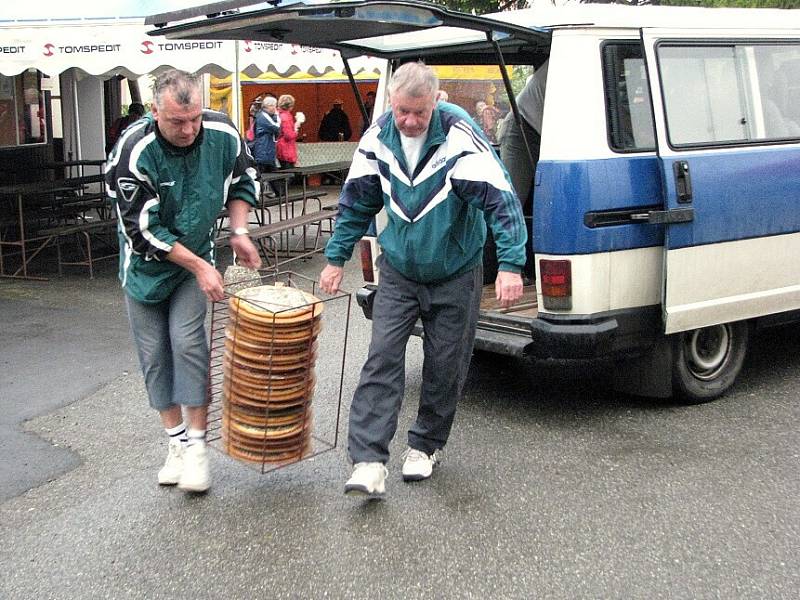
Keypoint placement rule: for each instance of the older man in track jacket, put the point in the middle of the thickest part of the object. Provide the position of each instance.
(434, 172)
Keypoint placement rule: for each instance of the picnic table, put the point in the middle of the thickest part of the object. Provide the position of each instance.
(306, 171)
(273, 237)
(36, 214)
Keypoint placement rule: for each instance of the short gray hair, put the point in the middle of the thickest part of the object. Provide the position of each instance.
(269, 101)
(415, 79)
(183, 87)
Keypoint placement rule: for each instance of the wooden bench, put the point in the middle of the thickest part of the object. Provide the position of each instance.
(85, 231)
(78, 201)
(271, 202)
(271, 233)
(265, 203)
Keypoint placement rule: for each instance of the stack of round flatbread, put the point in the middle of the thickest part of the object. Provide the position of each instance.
(268, 367)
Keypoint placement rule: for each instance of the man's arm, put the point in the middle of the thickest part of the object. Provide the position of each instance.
(482, 180)
(242, 196)
(331, 278)
(136, 200)
(246, 252)
(361, 199)
(208, 278)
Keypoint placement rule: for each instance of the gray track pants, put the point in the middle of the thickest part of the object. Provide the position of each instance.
(449, 313)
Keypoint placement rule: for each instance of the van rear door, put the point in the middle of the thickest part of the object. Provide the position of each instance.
(390, 29)
(724, 166)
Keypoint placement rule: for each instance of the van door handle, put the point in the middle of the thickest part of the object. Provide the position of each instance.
(676, 215)
(683, 181)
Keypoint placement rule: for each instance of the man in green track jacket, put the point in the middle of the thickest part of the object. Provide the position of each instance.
(433, 171)
(169, 177)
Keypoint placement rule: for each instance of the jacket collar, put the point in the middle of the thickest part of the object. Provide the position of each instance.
(389, 136)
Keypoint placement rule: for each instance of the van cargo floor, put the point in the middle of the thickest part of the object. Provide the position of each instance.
(526, 307)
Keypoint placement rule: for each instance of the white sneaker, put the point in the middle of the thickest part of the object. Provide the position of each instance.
(368, 479)
(170, 473)
(418, 465)
(195, 476)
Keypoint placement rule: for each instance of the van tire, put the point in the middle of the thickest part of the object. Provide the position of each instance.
(706, 362)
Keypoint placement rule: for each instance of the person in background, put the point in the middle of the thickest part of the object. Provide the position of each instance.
(432, 170)
(442, 96)
(266, 133)
(335, 125)
(135, 112)
(521, 167)
(369, 105)
(489, 118)
(166, 221)
(250, 132)
(480, 105)
(286, 148)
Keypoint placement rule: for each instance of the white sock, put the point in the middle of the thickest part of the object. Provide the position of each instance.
(196, 436)
(177, 433)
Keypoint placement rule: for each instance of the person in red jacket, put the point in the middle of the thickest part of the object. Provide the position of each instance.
(286, 147)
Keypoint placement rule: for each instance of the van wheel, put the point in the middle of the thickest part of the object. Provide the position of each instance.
(706, 361)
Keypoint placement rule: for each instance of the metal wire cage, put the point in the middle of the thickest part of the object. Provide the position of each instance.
(276, 372)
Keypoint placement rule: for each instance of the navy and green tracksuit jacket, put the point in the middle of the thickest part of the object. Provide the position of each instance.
(164, 194)
(436, 228)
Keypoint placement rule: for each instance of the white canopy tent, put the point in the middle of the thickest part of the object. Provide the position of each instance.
(89, 51)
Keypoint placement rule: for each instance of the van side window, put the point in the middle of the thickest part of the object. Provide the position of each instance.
(628, 110)
(728, 94)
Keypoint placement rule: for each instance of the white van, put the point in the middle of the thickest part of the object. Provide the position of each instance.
(666, 202)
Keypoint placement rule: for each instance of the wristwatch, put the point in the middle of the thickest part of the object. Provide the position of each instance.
(241, 231)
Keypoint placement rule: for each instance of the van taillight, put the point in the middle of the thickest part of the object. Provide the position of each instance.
(556, 284)
(365, 250)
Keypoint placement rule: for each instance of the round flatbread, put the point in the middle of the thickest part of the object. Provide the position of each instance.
(276, 304)
(270, 433)
(265, 334)
(269, 422)
(273, 378)
(300, 365)
(268, 344)
(258, 457)
(235, 396)
(267, 358)
(270, 398)
(266, 418)
(264, 385)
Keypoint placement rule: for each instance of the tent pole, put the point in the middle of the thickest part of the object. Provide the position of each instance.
(77, 114)
(133, 88)
(236, 92)
(356, 92)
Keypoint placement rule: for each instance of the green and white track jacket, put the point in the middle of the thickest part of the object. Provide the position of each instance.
(436, 228)
(164, 194)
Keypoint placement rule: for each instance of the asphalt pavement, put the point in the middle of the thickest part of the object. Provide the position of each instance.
(552, 486)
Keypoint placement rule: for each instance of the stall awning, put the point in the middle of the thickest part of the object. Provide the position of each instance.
(123, 48)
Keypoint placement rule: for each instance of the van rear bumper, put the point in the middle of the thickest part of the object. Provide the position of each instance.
(610, 334)
(567, 337)
(572, 340)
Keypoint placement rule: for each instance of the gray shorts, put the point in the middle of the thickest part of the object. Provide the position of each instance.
(170, 339)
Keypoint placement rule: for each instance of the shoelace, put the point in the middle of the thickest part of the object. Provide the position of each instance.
(413, 455)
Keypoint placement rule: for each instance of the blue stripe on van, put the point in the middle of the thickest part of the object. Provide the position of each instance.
(567, 190)
(737, 195)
